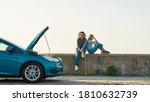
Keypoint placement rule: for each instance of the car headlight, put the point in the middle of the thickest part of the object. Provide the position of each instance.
(51, 59)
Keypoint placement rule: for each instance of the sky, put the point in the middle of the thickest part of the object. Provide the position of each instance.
(122, 26)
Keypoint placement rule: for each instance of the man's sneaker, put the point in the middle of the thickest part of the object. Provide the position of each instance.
(82, 55)
(76, 67)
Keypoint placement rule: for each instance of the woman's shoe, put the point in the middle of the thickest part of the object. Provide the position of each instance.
(76, 67)
(105, 52)
(82, 55)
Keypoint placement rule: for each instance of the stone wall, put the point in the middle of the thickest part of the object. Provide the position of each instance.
(126, 64)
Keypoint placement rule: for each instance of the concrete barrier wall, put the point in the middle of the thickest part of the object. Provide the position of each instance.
(126, 64)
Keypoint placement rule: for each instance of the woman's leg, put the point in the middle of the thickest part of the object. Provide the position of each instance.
(77, 58)
(102, 50)
(94, 49)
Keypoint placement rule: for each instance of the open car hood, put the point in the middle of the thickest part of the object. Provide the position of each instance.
(36, 39)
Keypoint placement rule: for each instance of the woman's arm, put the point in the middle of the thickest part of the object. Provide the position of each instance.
(94, 42)
(95, 39)
(84, 46)
(80, 47)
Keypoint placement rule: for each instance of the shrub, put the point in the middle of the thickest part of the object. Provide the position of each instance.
(98, 71)
(112, 70)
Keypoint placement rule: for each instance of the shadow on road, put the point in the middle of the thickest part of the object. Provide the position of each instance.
(43, 82)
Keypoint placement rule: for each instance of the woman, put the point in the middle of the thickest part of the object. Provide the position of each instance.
(81, 48)
(92, 49)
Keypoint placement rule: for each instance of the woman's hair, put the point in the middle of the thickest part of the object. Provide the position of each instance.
(82, 33)
(91, 35)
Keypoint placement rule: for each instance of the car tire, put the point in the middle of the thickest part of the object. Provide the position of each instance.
(32, 72)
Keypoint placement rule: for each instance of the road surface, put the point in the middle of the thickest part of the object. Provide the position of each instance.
(81, 80)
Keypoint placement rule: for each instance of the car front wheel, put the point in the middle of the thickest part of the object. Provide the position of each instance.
(32, 72)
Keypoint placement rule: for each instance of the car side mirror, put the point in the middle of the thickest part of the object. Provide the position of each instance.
(10, 49)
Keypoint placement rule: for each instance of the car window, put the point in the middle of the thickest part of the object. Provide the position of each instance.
(3, 46)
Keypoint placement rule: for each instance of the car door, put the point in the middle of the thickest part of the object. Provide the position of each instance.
(8, 60)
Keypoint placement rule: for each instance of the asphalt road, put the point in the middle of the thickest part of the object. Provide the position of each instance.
(81, 80)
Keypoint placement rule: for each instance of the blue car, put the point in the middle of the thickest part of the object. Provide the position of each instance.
(26, 63)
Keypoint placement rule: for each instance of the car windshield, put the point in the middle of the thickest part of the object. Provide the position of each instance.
(13, 43)
(3, 47)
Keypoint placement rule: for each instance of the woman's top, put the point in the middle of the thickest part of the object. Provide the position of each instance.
(89, 44)
(81, 43)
